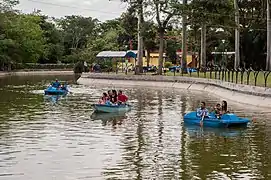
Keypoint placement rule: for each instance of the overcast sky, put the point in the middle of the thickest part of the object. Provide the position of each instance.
(100, 9)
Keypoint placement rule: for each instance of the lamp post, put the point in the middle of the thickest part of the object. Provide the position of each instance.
(215, 55)
(223, 42)
(226, 58)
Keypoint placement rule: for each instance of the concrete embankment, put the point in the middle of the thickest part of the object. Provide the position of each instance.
(31, 73)
(258, 96)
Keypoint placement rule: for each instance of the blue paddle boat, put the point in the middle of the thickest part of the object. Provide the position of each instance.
(226, 120)
(54, 91)
(196, 131)
(107, 108)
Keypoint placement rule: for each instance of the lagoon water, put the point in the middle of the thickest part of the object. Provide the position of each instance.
(44, 138)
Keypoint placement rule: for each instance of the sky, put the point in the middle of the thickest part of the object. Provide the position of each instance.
(100, 9)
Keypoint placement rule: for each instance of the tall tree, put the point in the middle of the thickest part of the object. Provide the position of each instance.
(209, 13)
(253, 33)
(268, 52)
(237, 35)
(164, 12)
(149, 35)
(77, 30)
(184, 40)
(54, 42)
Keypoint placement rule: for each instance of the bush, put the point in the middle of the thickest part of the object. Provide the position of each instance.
(79, 67)
(168, 64)
(33, 66)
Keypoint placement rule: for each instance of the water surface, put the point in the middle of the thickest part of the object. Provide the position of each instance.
(44, 138)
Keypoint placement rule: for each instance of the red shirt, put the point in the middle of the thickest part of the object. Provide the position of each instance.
(122, 98)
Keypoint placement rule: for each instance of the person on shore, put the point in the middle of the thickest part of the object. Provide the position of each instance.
(122, 98)
(56, 84)
(202, 111)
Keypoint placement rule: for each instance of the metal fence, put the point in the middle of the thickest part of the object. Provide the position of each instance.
(241, 75)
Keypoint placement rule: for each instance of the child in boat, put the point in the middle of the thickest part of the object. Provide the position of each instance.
(217, 111)
(202, 111)
(122, 98)
(104, 99)
(65, 86)
(114, 97)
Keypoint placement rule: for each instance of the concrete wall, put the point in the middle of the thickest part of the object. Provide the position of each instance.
(258, 96)
(31, 73)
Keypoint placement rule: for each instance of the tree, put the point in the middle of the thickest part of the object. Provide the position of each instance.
(24, 33)
(253, 33)
(173, 43)
(164, 12)
(210, 13)
(7, 5)
(77, 31)
(149, 38)
(54, 42)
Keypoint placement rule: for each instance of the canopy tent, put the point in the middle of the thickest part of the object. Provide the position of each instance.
(113, 58)
(131, 53)
(111, 54)
(117, 54)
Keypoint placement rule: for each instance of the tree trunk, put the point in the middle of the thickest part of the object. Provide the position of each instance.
(268, 55)
(184, 39)
(203, 47)
(161, 51)
(139, 64)
(148, 57)
(237, 36)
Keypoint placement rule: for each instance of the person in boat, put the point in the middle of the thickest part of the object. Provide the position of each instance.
(114, 97)
(64, 86)
(224, 107)
(122, 98)
(217, 111)
(56, 84)
(104, 99)
(202, 111)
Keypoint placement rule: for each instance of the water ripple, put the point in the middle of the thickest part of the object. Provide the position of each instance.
(64, 139)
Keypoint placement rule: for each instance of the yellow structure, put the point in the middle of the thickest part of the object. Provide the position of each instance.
(154, 60)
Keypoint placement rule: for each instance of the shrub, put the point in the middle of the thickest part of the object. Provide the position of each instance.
(168, 64)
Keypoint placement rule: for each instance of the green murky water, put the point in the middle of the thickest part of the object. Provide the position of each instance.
(62, 139)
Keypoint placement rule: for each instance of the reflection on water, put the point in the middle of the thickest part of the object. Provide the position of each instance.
(62, 138)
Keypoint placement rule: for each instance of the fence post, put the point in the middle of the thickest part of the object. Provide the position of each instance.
(266, 74)
(248, 71)
(256, 73)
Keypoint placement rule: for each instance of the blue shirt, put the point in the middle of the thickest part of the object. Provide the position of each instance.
(56, 84)
(200, 112)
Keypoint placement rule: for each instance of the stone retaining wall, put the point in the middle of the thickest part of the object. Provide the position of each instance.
(31, 73)
(253, 95)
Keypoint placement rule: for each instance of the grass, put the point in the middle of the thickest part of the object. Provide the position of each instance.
(228, 76)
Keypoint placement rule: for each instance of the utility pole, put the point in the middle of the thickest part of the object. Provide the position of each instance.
(237, 36)
(184, 40)
(268, 51)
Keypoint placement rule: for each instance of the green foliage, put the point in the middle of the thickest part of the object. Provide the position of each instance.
(168, 64)
(21, 38)
(34, 38)
(79, 67)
